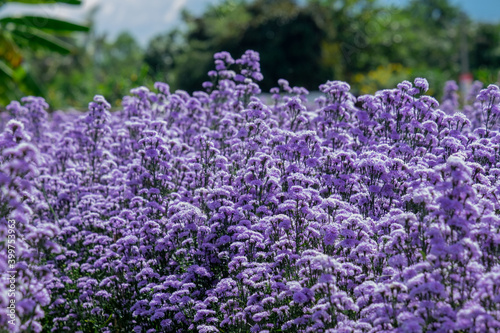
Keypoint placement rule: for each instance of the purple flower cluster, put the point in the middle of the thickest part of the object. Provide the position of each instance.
(218, 212)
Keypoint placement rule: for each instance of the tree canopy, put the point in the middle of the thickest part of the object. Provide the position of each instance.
(307, 42)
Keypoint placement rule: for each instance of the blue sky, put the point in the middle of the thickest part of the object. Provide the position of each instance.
(146, 18)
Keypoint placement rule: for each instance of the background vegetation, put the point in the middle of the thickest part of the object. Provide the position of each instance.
(370, 45)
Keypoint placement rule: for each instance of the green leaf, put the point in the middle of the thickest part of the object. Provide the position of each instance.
(30, 85)
(20, 78)
(5, 69)
(39, 2)
(424, 255)
(9, 51)
(107, 321)
(44, 23)
(19, 74)
(36, 37)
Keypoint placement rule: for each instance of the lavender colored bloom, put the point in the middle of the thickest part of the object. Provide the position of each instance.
(422, 84)
(214, 211)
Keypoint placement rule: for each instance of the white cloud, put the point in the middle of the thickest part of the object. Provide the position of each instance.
(87, 4)
(174, 10)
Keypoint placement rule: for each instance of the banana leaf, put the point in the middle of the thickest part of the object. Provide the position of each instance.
(36, 38)
(44, 23)
(40, 2)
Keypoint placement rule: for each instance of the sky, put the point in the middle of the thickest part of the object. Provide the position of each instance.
(147, 18)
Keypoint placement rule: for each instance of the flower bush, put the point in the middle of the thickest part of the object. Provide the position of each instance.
(222, 212)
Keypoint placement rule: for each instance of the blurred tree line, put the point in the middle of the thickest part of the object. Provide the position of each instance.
(368, 44)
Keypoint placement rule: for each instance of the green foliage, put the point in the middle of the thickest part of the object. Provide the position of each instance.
(21, 36)
(43, 23)
(380, 78)
(290, 46)
(485, 53)
(39, 2)
(98, 65)
(162, 55)
(308, 42)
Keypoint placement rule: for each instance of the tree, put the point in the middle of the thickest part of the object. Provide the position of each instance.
(110, 68)
(289, 41)
(304, 42)
(485, 52)
(284, 33)
(161, 56)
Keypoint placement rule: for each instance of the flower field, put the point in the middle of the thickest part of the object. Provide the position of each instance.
(221, 212)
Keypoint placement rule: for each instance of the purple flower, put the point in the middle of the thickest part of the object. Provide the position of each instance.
(422, 84)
